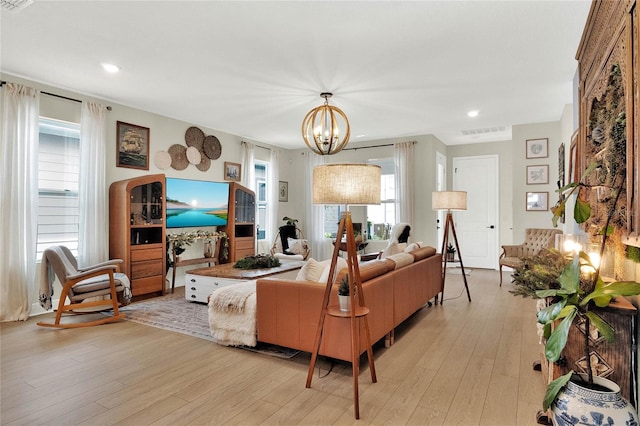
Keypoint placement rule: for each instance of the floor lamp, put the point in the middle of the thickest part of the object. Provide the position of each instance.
(450, 200)
(346, 184)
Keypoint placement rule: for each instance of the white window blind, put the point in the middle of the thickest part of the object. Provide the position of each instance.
(58, 173)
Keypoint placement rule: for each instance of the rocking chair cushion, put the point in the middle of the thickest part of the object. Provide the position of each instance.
(98, 283)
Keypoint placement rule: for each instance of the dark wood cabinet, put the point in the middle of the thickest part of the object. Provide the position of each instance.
(241, 222)
(137, 231)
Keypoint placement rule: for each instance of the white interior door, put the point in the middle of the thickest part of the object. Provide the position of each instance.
(477, 227)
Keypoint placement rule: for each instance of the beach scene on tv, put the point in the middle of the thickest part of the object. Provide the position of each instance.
(192, 203)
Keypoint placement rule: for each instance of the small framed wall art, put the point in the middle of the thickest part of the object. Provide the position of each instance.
(231, 171)
(537, 175)
(537, 201)
(573, 158)
(538, 148)
(132, 146)
(283, 191)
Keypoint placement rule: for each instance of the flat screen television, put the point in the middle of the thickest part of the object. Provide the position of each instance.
(196, 203)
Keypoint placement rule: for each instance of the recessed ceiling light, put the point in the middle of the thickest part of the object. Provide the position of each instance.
(110, 68)
(360, 136)
(472, 113)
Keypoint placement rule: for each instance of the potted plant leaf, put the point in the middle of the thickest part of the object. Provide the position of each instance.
(343, 294)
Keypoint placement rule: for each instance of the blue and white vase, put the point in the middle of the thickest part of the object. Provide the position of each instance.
(578, 405)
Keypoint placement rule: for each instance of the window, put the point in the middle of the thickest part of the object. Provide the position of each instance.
(58, 176)
(331, 220)
(262, 196)
(383, 216)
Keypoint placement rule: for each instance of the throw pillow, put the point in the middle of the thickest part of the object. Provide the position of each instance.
(297, 246)
(341, 263)
(311, 271)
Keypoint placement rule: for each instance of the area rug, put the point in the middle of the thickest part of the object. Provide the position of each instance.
(174, 313)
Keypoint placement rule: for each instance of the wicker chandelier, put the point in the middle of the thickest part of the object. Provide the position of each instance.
(322, 127)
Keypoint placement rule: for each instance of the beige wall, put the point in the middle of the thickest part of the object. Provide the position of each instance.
(424, 228)
(165, 131)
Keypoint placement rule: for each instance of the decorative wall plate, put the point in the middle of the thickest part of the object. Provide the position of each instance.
(162, 160)
(194, 137)
(212, 147)
(193, 155)
(204, 164)
(178, 156)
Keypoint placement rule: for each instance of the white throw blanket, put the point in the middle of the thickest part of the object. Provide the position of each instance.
(232, 314)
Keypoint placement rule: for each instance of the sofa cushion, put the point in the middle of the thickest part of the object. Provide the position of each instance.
(401, 259)
(311, 270)
(423, 252)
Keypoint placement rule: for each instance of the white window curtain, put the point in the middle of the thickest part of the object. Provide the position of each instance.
(92, 236)
(273, 197)
(403, 159)
(248, 173)
(19, 189)
(314, 213)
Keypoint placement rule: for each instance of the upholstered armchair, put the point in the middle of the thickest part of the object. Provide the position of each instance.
(535, 240)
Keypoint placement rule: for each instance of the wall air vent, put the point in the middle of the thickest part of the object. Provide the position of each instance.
(14, 6)
(484, 131)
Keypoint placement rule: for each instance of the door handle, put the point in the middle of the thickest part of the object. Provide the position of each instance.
(491, 226)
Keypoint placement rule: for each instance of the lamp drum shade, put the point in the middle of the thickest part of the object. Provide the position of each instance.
(346, 184)
(449, 200)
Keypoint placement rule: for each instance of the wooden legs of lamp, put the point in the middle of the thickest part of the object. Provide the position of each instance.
(449, 226)
(357, 312)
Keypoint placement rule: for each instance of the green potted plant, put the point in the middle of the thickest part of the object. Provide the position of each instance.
(451, 253)
(290, 221)
(572, 297)
(343, 294)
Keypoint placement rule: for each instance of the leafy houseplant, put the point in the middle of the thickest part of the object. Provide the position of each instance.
(344, 294)
(257, 262)
(451, 252)
(290, 221)
(577, 290)
(343, 288)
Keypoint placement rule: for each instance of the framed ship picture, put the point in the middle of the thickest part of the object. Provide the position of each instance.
(132, 146)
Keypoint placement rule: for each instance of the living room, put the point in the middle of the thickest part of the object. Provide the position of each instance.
(166, 131)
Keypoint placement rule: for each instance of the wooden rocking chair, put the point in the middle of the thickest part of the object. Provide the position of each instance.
(79, 284)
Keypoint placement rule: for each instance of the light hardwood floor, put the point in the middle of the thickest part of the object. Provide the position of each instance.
(459, 363)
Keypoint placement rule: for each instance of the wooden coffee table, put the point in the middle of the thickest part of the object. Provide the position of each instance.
(200, 283)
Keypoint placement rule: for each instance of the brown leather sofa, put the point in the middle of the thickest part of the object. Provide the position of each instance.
(288, 310)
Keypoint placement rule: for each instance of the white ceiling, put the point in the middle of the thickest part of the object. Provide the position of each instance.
(254, 69)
